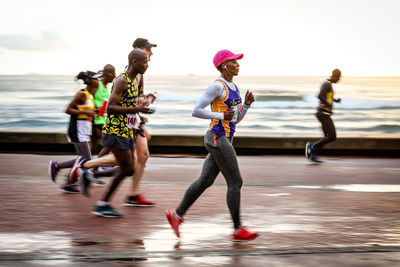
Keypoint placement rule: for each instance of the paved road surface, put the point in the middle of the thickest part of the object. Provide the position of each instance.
(342, 213)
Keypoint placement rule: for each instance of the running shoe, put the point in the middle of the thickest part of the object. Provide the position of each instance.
(242, 234)
(73, 174)
(308, 151)
(69, 189)
(106, 211)
(90, 175)
(100, 169)
(174, 221)
(315, 159)
(53, 170)
(138, 201)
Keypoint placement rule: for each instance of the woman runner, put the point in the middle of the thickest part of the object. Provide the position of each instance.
(226, 111)
(81, 109)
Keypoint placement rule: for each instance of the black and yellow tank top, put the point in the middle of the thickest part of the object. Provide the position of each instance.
(140, 84)
(119, 124)
(325, 98)
(88, 105)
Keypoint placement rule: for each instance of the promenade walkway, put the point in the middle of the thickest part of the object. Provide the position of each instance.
(342, 213)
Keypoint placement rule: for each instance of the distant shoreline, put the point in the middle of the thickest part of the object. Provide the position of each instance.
(284, 106)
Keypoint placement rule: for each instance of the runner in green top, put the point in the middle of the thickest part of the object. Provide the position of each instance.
(102, 94)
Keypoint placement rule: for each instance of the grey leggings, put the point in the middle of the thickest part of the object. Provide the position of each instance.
(82, 149)
(221, 158)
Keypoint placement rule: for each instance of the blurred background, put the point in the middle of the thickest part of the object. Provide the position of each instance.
(290, 48)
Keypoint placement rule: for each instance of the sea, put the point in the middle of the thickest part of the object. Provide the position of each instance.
(284, 106)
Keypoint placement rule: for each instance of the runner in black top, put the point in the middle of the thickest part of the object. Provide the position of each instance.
(324, 112)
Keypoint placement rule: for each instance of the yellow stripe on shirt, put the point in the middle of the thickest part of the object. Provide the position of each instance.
(218, 105)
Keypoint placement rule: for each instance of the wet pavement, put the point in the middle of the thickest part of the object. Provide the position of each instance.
(344, 212)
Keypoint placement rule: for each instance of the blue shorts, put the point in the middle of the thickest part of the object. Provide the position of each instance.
(122, 143)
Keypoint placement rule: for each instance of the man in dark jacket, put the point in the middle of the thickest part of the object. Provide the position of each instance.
(324, 112)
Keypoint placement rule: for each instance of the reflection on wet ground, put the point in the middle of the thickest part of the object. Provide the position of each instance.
(372, 188)
(35, 242)
(195, 233)
(302, 211)
(288, 222)
(317, 259)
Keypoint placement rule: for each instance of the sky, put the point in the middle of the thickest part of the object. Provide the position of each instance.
(280, 37)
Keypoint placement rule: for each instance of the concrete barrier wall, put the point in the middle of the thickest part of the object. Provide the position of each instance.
(57, 143)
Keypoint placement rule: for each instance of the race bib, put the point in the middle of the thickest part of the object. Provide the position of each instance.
(133, 121)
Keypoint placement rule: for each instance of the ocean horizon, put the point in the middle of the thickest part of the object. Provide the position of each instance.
(285, 105)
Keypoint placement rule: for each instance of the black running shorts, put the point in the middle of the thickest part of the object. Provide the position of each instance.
(123, 143)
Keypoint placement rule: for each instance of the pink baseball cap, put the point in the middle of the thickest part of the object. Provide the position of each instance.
(224, 55)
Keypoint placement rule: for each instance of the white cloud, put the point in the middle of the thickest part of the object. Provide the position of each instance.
(48, 41)
(285, 37)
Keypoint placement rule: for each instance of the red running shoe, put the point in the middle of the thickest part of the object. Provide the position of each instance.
(74, 174)
(174, 221)
(138, 201)
(242, 234)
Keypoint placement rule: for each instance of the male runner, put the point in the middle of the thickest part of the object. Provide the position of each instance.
(118, 132)
(101, 97)
(141, 144)
(324, 112)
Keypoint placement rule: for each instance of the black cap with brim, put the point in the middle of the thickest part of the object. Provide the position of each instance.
(142, 43)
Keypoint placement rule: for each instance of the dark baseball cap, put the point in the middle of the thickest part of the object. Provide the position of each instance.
(142, 43)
